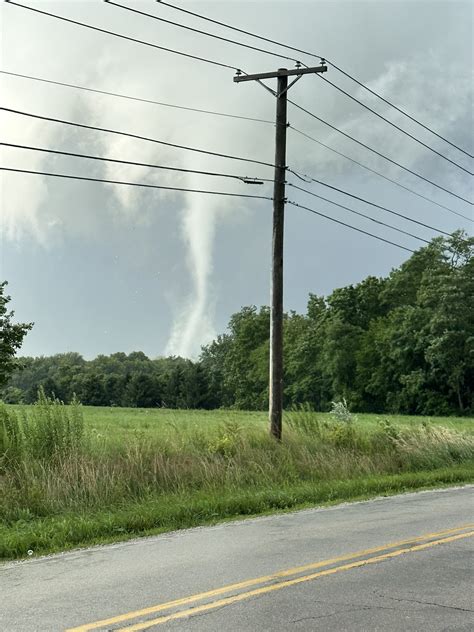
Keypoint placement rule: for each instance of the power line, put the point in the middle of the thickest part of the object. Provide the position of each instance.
(125, 37)
(381, 175)
(133, 98)
(234, 28)
(347, 208)
(335, 86)
(130, 135)
(394, 162)
(395, 107)
(235, 116)
(383, 208)
(194, 30)
(134, 184)
(274, 54)
(321, 58)
(244, 179)
(359, 230)
(400, 129)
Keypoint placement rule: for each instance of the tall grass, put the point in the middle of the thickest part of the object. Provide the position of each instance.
(49, 431)
(51, 469)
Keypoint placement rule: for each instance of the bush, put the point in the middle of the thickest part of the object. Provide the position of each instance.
(344, 435)
(341, 413)
(228, 439)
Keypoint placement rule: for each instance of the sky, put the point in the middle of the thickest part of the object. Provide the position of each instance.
(101, 268)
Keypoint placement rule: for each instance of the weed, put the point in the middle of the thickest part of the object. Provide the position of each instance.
(340, 412)
(53, 429)
(304, 420)
(11, 437)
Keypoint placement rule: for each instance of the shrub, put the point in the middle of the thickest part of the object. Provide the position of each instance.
(340, 412)
(228, 439)
(343, 435)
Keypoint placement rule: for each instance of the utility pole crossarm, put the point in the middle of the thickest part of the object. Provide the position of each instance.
(282, 72)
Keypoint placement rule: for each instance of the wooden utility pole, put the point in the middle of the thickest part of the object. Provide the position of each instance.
(276, 314)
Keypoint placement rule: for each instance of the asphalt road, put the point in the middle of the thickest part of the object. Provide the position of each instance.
(403, 563)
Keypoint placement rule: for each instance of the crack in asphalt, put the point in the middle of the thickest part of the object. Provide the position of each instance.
(423, 603)
(331, 614)
(326, 616)
(353, 609)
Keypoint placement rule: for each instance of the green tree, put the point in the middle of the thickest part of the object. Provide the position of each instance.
(447, 295)
(11, 337)
(246, 365)
(213, 364)
(142, 391)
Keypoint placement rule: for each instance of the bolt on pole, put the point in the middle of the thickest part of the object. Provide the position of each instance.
(276, 314)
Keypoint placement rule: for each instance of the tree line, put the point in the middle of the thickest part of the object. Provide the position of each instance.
(402, 343)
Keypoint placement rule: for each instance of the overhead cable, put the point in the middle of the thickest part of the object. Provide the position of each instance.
(125, 37)
(400, 129)
(275, 54)
(240, 117)
(137, 136)
(139, 99)
(321, 58)
(222, 193)
(383, 208)
(134, 184)
(396, 107)
(244, 179)
(381, 175)
(351, 210)
(378, 153)
(359, 230)
(234, 28)
(213, 35)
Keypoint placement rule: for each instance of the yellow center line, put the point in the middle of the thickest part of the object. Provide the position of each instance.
(258, 580)
(285, 584)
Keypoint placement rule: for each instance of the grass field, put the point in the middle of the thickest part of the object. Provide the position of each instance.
(124, 421)
(72, 476)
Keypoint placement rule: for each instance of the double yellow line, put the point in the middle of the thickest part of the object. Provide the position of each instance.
(302, 574)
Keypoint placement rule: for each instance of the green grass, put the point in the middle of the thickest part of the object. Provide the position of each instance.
(78, 529)
(119, 473)
(117, 423)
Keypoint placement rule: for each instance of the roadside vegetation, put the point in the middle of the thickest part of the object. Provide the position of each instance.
(191, 446)
(72, 476)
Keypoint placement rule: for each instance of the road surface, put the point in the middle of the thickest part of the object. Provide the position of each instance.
(402, 563)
